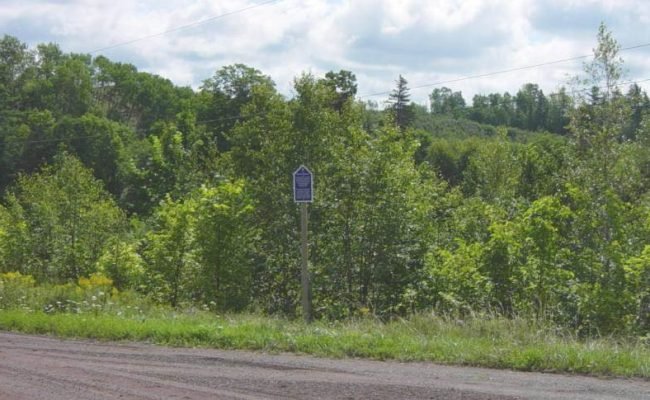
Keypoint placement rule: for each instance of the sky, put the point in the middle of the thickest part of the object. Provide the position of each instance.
(427, 42)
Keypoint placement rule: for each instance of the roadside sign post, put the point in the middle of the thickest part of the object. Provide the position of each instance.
(303, 193)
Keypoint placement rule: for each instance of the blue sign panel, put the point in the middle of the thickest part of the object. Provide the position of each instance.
(303, 185)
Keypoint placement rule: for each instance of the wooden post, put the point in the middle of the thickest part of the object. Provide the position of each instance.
(304, 272)
(303, 192)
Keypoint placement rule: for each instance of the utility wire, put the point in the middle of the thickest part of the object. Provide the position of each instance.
(504, 71)
(270, 2)
(589, 89)
(53, 140)
(184, 27)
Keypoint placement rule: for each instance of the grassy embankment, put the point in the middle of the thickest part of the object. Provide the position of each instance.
(496, 343)
(94, 309)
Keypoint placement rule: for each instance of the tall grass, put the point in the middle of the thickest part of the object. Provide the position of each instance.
(495, 342)
(92, 309)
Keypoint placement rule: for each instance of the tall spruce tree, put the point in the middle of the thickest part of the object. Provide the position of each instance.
(400, 106)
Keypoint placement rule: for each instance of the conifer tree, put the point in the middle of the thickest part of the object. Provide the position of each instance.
(400, 106)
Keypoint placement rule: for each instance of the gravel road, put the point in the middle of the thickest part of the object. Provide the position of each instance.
(38, 367)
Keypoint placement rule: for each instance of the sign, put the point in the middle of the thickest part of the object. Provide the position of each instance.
(303, 185)
(303, 193)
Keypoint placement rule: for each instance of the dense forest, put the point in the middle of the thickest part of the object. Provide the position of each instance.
(527, 205)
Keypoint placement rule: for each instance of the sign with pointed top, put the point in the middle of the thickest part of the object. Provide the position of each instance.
(303, 185)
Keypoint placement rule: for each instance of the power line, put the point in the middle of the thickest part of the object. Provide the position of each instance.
(188, 26)
(589, 89)
(504, 71)
(234, 117)
(53, 140)
(68, 139)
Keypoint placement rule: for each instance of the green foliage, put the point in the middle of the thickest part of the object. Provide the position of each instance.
(344, 83)
(224, 236)
(101, 145)
(121, 262)
(375, 242)
(63, 218)
(494, 170)
(94, 295)
(400, 109)
(444, 101)
(456, 283)
(168, 251)
(637, 271)
(133, 98)
(461, 209)
(200, 248)
(14, 289)
(544, 164)
(224, 95)
(544, 270)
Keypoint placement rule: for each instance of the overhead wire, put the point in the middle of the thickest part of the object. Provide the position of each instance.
(421, 86)
(184, 27)
(500, 72)
(589, 89)
(487, 74)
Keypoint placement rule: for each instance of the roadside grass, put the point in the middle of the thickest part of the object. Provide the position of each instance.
(480, 341)
(92, 308)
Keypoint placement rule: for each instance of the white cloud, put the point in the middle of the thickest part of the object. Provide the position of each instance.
(423, 40)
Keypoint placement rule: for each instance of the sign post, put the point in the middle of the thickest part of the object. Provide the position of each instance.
(303, 193)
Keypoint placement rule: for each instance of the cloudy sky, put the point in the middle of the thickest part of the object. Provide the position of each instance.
(427, 41)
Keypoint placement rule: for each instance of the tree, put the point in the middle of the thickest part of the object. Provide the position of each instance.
(169, 251)
(444, 101)
(344, 84)
(67, 217)
(599, 127)
(606, 67)
(638, 290)
(264, 151)
(494, 109)
(544, 272)
(639, 104)
(494, 170)
(26, 143)
(102, 145)
(598, 120)
(72, 86)
(164, 169)
(598, 195)
(399, 104)
(456, 284)
(480, 110)
(531, 107)
(15, 63)
(225, 94)
(136, 99)
(560, 106)
(224, 237)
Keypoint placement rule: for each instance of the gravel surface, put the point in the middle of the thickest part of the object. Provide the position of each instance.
(37, 367)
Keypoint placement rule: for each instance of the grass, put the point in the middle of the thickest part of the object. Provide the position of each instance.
(486, 342)
(92, 308)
